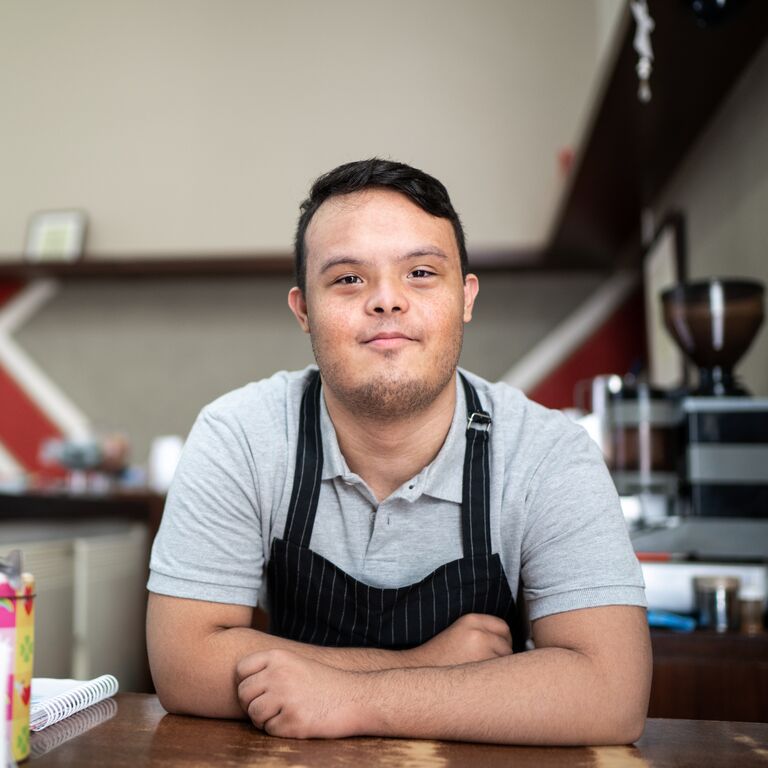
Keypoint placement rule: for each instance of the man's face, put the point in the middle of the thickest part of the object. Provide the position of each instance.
(385, 301)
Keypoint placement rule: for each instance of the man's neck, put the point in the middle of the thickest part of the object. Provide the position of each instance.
(386, 454)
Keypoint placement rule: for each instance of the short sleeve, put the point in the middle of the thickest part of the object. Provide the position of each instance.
(576, 551)
(209, 545)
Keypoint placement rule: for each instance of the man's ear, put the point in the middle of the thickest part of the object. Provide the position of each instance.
(471, 287)
(298, 305)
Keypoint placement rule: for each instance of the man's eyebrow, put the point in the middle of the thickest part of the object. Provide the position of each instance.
(429, 250)
(340, 260)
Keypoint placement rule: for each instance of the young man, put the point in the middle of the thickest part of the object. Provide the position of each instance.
(386, 507)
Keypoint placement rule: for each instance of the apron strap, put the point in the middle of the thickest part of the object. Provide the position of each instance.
(476, 495)
(476, 514)
(309, 468)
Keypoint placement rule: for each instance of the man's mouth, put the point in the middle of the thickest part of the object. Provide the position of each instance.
(388, 340)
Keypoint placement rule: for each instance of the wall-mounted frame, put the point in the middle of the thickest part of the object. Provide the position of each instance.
(665, 263)
(56, 236)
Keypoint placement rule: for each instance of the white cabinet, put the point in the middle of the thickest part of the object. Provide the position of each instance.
(90, 581)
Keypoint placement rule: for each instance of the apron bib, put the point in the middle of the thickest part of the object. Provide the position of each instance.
(313, 601)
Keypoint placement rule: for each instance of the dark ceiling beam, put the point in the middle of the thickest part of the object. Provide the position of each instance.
(631, 149)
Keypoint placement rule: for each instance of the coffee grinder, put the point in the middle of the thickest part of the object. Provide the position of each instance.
(724, 465)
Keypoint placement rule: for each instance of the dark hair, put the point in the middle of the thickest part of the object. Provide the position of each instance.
(424, 190)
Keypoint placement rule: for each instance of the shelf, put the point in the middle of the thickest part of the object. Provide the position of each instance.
(209, 265)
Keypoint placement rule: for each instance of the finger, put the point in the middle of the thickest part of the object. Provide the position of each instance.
(497, 626)
(263, 709)
(251, 664)
(281, 725)
(249, 689)
(498, 644)
(503, 649)
(505, 633)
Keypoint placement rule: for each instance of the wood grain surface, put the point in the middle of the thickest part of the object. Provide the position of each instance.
(138, 732)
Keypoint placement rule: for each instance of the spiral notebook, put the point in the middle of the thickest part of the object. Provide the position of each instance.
(53, 700)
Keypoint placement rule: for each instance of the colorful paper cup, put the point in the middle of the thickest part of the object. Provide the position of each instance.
(17, 628)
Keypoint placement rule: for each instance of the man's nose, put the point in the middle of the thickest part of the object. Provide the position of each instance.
(387, 297)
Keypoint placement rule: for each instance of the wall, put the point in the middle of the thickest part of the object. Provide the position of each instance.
(722, 185)
(144, 356)
(197, 125)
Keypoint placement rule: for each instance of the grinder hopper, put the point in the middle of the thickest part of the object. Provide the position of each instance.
(714, 321)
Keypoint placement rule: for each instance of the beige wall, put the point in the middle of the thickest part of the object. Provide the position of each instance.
(722, 185)
(144, 356)
(196, 125)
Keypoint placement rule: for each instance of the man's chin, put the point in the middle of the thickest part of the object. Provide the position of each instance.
(391, 396)
(388, 385)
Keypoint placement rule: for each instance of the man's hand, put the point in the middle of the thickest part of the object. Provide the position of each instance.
(472, 637)
(579, 686)
(286, 694)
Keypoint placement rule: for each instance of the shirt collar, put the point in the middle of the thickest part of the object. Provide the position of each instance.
(334, 464)
(442, 479)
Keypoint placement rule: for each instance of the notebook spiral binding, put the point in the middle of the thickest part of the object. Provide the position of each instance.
(66, 704)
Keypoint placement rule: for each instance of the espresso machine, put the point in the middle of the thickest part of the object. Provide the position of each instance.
(720, 528)
(637, 427)
(723, 466)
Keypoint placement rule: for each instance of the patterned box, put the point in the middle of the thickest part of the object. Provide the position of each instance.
(17, 625)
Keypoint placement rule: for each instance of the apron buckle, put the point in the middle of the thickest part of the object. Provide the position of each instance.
(479, 420)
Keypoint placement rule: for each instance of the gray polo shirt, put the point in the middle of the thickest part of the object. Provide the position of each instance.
(555, 514)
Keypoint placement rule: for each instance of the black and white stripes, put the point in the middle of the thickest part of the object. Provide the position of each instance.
(313, 601)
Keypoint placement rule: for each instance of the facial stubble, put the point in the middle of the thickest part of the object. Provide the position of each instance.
(390, 393)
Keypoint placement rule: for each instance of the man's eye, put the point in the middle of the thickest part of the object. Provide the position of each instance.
(348, 280)
(422, 273)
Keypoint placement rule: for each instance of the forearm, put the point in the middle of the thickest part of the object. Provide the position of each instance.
(199, 652)
(352, 659)
(199, 677)
(548, 696)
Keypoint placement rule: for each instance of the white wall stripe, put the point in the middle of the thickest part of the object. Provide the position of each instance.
(9, 467)
(30, 377)
(565, 338)
(17, 310)
(47, 396)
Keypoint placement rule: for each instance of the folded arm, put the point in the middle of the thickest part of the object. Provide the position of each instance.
(195, 647)
(587, 682)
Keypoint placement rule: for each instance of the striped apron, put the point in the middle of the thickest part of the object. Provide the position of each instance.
(313, 601)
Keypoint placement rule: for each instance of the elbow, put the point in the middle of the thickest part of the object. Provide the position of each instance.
(627, 700)
(625, 720)
(170, 696)
(182, 694)
(177, 699)
(169, 702)
(629, 730)
(173, 687)
(615, 728)
(621, 714)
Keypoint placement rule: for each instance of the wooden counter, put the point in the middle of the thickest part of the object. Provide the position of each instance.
(700, 675)
(140, 733)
